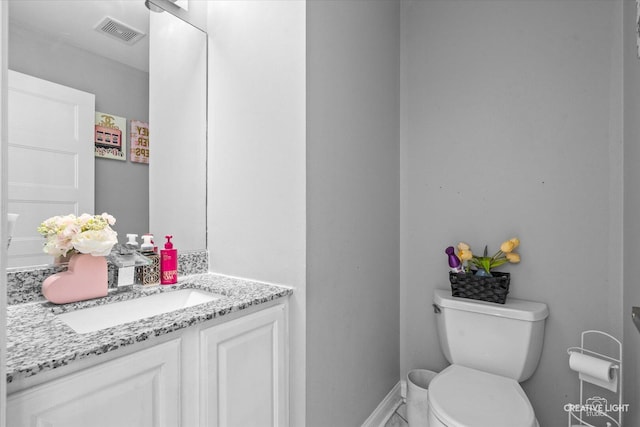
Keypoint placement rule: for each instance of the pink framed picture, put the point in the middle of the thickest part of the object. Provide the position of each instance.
(108, 139)
(139, 143)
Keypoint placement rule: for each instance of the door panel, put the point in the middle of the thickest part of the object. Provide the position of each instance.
(51, 159)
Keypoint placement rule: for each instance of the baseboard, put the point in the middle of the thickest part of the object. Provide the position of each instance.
(385, 409)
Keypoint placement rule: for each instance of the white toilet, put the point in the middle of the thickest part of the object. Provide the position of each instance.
(491, 348)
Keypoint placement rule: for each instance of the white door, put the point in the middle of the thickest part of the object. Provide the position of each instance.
(51, 159)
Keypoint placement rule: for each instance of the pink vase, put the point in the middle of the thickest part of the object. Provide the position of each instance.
(62, 260)
(85, 278)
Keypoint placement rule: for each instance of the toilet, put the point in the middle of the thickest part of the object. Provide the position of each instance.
(491, 348)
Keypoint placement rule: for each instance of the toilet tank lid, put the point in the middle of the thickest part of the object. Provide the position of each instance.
(512, 309)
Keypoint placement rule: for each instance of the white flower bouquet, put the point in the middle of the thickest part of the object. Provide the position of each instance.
(86, 234)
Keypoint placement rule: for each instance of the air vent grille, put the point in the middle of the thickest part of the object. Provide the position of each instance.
(119, 31)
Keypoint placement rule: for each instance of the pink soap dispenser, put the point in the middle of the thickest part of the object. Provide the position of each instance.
(168, 263)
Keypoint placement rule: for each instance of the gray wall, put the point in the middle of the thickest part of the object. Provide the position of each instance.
(631, 210)
(511, 127)
(122, 188)
(353, 209)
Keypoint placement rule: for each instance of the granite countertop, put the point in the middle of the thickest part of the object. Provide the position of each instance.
(38, 341)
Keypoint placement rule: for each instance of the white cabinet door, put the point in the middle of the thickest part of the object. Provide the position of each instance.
(51, 159)
(138, 390)
(244, 371)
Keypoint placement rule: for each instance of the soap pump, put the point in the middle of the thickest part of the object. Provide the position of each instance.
(168, 263)
(147, 244)
(126, 262)
(132, 243)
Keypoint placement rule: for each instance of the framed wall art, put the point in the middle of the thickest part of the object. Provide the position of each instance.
(109, 141)
(139, 142)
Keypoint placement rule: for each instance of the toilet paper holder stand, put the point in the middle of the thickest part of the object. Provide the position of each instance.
(592, 405)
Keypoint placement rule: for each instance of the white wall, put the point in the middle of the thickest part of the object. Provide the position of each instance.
(511, 127)
(632, 210)
(353, 210)
(312, 202)
(257, 213)
(257, 139)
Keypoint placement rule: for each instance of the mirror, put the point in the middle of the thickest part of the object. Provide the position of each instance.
(178, 117)
(56, 40)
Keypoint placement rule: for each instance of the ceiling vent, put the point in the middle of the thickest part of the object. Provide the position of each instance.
(119, 31)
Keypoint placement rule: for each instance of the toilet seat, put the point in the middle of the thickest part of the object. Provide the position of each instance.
(465, 397)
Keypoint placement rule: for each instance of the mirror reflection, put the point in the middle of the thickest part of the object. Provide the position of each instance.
(100, 48)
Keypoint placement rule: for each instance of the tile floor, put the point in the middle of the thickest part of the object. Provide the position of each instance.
(399, 418)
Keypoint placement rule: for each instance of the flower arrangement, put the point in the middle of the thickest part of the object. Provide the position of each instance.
(486, 263)
(87, 234)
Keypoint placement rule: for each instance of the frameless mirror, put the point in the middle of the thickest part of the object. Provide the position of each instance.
(61, 41)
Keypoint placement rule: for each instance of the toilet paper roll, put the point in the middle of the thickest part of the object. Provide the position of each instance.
(594, 370)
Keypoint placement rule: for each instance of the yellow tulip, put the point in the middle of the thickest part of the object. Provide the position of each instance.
(512, 257)
(462, 246)
(465, 254)
(507, 246)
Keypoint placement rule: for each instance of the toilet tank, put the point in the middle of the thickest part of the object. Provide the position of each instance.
(502, 339)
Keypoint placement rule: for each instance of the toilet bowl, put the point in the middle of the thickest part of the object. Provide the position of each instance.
(463, 397)
(492, 348)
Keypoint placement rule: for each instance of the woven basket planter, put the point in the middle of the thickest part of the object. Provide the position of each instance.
(490, 289)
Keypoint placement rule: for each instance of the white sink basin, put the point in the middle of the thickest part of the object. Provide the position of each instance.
(108, 315)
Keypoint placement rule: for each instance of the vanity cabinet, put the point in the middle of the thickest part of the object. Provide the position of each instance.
(231, 371)
(244, 371)
(138, 390)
